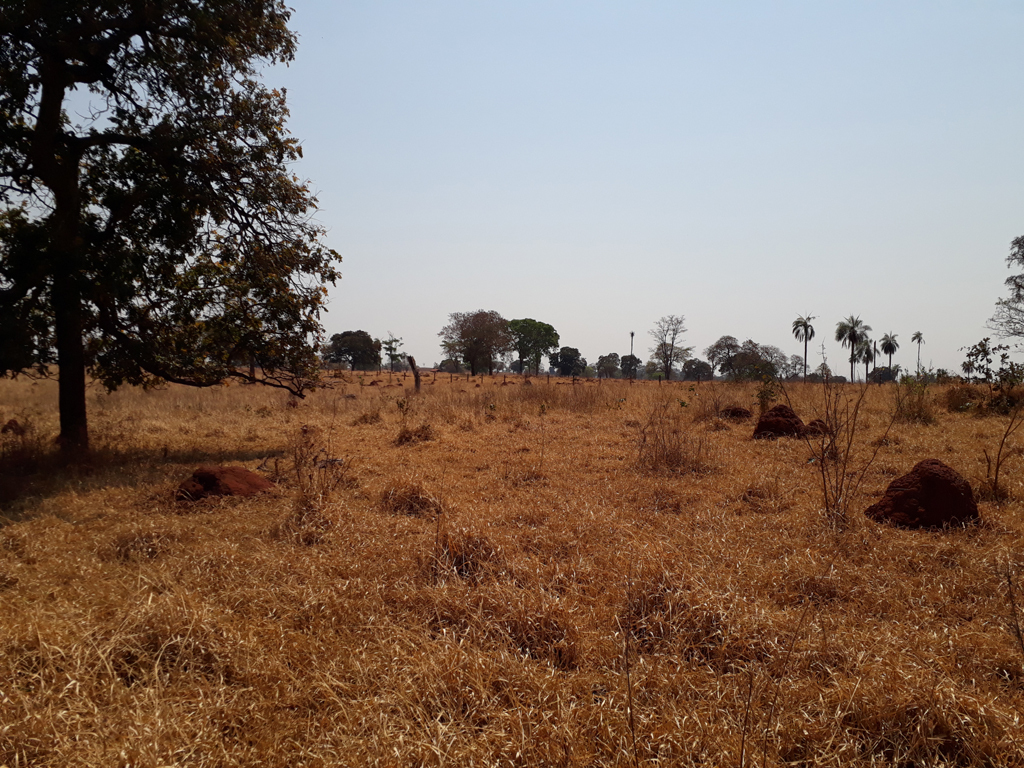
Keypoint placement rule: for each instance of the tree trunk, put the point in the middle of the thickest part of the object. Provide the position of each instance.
(415, 371)
(805, 359)
(67, 310)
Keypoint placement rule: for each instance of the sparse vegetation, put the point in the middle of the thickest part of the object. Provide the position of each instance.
(447, 610)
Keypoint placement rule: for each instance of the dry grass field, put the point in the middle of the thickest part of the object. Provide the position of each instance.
(497, 574)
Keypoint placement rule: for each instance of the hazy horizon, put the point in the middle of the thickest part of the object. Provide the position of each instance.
(599, 166)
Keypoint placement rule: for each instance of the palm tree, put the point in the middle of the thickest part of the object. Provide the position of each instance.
(889, 346)
(804, 331)
(918, 338)
(850, 332)
(865, 354)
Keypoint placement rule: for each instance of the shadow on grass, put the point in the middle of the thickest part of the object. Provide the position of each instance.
(33, 474)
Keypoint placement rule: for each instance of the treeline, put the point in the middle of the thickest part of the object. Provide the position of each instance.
(485, 342)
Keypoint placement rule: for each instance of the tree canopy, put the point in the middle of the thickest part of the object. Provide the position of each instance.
(353, 348)
(608, 365)
(850, 332)
(721, 351)
(569, 362)
(630, 364)
(697, 370)
(532, 340)
(476, 338)
(161, 236)
(668, 349)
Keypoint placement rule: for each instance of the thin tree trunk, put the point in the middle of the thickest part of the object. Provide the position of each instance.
(805, 358)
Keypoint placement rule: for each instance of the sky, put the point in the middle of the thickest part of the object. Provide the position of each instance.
(598, 165)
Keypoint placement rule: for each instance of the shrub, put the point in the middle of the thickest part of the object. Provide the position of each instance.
(963, 397)
(911, 403)
(409, 499)
(666, 443)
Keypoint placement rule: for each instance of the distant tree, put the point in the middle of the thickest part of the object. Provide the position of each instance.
(1008, 319)
(804, 331)
(391, 346)
(668, 349)
(569, 362)
(450, 366)
(889, 346)
(151, 226)
(793, 367)
(865, 354)
(697, 370)
(630, 364)
(753, 362)
(532, 340)
(476, 338)
(850, 332)
(608, 365)
(356, 349)
(977, 366)
(721, 351)
(652, 370)
(918, 338)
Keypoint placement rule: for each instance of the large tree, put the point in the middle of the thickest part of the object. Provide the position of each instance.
(569, 362)
(476, 338)
(668, 349)
(151, 229)
(719, 353)
(753, 362)
(630, 364)
(608, 365)
(697, 370)
(532, 340)
(354, 348)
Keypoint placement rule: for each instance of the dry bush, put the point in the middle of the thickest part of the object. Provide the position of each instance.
(318, 475)
(661, 615)
(419, 434)
(535, 625)
(371, 416)
(767, 494)
(667, 442)
(912, 403)
(463, 554)
(708, 401)
(141, 544)
(842, 413)
(409, 498)
(961, 398)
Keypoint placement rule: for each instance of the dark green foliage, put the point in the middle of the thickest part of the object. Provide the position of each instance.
(353, 348)
(721, 352)
(569, 362)
(608, 366)
(161, 237)
(697, 370)
(532, 340)
(630, 364)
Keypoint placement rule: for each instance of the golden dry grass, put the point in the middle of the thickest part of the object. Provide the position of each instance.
(472, 596)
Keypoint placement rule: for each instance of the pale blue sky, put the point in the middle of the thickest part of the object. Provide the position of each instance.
(597, 165)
